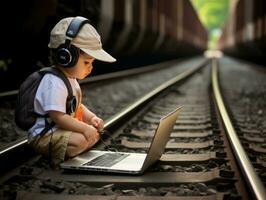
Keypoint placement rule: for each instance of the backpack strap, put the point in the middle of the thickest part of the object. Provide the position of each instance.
(71, 102)
(47, 127)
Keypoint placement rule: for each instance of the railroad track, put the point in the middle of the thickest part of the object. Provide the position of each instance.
(104, 94)
(246, 101)
(198, 162)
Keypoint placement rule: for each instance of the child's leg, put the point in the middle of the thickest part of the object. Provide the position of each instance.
(78, 143)
(52, 145)
(61, 144)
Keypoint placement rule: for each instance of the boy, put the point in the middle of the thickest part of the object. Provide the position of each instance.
(74, 44)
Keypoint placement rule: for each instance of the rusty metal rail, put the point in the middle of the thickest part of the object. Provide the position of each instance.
(197, 141)
(250, 175)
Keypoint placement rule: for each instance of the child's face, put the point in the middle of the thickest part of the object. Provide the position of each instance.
(83, 67)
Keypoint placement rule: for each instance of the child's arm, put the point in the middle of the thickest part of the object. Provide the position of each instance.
(90, 118)
(67, 122)
(87, 115)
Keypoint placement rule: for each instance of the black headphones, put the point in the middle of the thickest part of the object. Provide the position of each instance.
(66, 54)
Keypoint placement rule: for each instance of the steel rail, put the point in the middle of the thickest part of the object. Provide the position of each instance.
(93, 79)
(129, 72)
(125, 112)
(14, 145)
(151, 94)
(112, 75)
(250, 175)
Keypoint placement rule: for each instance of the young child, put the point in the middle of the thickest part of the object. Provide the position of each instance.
(75, 44)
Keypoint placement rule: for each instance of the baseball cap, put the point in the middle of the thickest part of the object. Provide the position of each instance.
(87, 39)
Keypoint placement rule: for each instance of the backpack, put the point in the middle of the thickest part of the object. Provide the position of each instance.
(25, 116)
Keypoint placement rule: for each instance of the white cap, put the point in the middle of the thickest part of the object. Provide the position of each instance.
(87, 39)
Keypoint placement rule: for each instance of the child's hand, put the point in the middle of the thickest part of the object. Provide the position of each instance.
(97, 123)
(91, 134)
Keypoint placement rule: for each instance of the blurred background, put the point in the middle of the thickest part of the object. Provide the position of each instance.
(136, 32)
(213, 15)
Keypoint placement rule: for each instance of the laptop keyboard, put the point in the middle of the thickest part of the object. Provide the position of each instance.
(107, 159)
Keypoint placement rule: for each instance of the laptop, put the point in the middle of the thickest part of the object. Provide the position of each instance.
(124, 162)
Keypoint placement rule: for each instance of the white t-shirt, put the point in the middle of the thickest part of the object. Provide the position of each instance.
(51, 95)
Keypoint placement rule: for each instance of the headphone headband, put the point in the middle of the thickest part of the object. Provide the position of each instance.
(75, 25)
(66, 54)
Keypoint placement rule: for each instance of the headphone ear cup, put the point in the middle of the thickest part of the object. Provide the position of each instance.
(66, 56)
(71, 104)
(74, 51)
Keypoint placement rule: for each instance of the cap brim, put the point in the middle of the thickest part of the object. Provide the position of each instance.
(99, 55)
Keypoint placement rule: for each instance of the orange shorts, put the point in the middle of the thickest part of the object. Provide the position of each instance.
(59, 141)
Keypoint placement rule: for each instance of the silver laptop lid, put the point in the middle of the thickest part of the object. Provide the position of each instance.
(160, 138)
(156, 149)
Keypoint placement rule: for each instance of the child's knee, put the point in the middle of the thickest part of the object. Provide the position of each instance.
(76, 146)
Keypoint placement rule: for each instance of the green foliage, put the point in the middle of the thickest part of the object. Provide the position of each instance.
(212, 14)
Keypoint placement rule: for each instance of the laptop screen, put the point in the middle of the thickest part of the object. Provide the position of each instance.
(161, 138)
